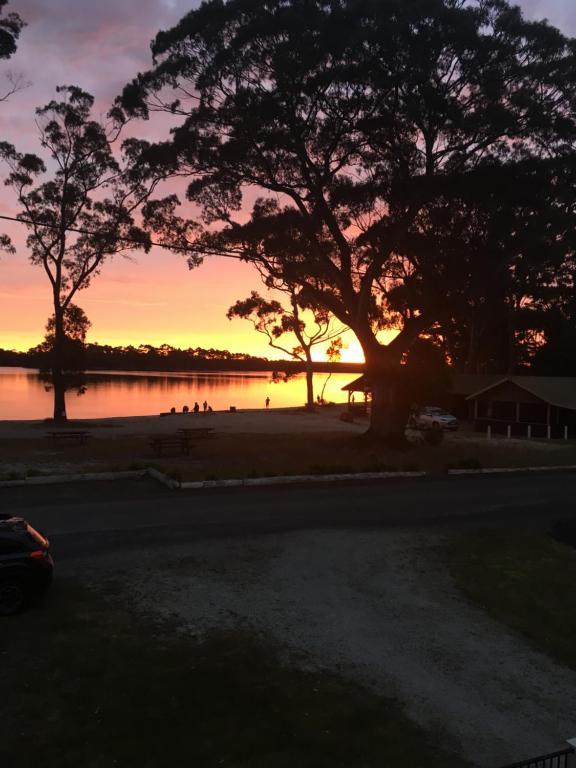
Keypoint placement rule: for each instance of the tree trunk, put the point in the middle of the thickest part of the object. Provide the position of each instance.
(390, 397)
(309, 382)
(510, 338)
(58, 383)
(324, 386)
(472, 356)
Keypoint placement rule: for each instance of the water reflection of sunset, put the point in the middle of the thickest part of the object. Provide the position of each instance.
(23, 395)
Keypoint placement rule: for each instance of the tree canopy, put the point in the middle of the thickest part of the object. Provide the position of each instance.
(343, 124)
(77, 218)
(308, 325)
(11, 25)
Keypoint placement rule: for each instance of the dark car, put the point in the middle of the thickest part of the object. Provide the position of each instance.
(26, 564)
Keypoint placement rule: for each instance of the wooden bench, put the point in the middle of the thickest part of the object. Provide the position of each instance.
(162, 443)
(70, 436)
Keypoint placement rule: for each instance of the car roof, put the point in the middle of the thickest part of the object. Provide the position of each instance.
(12, 524)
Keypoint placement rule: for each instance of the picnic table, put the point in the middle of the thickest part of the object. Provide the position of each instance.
(72, 436)
(170, 443)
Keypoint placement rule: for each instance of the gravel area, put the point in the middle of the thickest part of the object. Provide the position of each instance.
(377, 606)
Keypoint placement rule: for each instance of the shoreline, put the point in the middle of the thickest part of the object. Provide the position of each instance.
(260, 420)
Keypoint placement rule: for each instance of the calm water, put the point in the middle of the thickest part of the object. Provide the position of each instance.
(23, 395)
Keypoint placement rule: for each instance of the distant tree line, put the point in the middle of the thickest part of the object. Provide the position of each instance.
(146, 357)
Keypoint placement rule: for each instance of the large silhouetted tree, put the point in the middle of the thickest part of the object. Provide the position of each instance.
(309, 325)
(506, 243)
(10, 27)
(343, 117)
(79, 217)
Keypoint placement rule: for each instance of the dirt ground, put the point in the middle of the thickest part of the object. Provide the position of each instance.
(379, 607)
(260, 421)
(258, 443)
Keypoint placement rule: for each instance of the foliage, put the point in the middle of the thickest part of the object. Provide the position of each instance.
(272, 320)
(75, 325)
(78, 218)
(73, 352)
(147, 357)
(348, 129)
(10, 27)
(428, 379)
(507, 243)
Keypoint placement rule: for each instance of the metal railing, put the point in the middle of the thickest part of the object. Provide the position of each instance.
(553, 760)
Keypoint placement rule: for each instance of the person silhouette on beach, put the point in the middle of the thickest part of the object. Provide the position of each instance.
(267, 402)
(196, 408)
(205, 406)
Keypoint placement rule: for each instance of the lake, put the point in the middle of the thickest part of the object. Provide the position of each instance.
(123, 393)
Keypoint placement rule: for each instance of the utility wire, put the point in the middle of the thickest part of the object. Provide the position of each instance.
(153, 243)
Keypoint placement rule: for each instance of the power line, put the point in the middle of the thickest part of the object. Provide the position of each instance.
(153, 243)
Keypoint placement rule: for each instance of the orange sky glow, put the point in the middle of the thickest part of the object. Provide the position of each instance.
(151, 298)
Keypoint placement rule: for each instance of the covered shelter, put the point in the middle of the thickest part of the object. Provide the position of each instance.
(362, 385)
(540, 406)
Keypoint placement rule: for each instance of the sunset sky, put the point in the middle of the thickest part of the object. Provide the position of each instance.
(154, 298)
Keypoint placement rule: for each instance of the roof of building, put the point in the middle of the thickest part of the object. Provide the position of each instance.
(468, 383)
(361, 384)
(462, 383)
(555, 390)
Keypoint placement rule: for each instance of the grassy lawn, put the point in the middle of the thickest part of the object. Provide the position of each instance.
(234, 455)
(85, 682)
(526, 581)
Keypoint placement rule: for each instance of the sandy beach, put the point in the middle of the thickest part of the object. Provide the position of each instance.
(258, 421)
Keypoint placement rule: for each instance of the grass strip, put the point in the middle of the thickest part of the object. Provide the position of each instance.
(525, 581)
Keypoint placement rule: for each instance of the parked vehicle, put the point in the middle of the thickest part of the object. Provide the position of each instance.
(431, 417)
(26, 565)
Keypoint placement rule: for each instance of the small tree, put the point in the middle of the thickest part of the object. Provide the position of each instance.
(78, 218)
(73, 361)
(275, 322)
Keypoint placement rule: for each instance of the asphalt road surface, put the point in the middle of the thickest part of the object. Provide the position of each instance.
(354, 594)
(101, 516)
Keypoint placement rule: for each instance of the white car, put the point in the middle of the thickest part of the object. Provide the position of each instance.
(431, 417)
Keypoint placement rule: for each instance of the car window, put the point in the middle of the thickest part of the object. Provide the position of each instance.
(11, 546)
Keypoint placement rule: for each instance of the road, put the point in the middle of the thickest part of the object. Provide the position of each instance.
(360, 599)
(112, 515)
